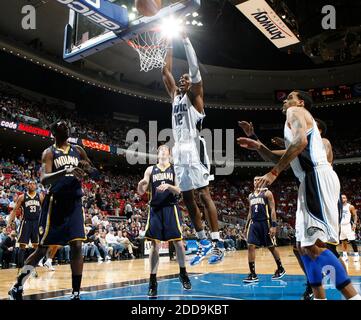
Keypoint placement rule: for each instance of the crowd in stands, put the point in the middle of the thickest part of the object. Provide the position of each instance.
(109, 131)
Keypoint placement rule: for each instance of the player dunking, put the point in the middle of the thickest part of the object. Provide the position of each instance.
(164, 217)
(317, 218)
(261, 230)
(61, 220)
(191, 162)
(30, 202)
(349, 213)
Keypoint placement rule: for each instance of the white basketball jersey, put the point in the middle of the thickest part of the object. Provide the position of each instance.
(186, 120)
(312, 157)
(346, 214)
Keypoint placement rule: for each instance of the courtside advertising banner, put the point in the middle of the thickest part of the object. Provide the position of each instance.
(268, 22)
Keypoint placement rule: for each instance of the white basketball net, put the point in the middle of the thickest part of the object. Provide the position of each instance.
(152, 49)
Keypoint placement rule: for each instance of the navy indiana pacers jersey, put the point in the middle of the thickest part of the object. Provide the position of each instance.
(158, 177)
(68, 185)
(31, 207)
(259, 206)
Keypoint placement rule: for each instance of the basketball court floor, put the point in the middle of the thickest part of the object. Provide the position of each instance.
(128, 280)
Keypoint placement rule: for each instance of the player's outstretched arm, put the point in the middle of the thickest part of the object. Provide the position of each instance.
(354, 216)
(298, 125)
(272, 205)
(266, 154)
(18, 204)
(144, 183)
(49, 177)
(195, 75)
(168, 78)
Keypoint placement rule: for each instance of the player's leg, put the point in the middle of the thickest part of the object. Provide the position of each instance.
(181, 258)
(31, 262)
(280, 272)
(252, 277)
(344, 246)
(154, 263)
(21, 255)
(204, 246)
(211, 211)
(308, 294)
(356, 257)
(76, 264)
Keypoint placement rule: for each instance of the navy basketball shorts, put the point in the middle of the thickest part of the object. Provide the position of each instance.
(61, 221)
(29, 232)
(258, 234)
(164, 224)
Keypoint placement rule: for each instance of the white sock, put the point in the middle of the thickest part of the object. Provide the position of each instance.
(356, 254)
(319, 299)
(201, 235)
(356, 297)
(215, 235)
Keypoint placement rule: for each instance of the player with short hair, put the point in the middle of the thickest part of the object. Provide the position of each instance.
(317, 216)
(191, 163)
(164, 216)
(261, 230)
(61, 220)
(348, 227)
(30, 203)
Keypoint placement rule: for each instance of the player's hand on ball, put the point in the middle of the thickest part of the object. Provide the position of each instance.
(163, 187)
(248, 143)
(247, 127)
(265, 181)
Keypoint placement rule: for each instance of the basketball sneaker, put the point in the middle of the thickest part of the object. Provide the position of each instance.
(186, 283)
(16, 293)
(204, 248)
(308, 294)
(75, 296)
(251, 278)
(153, 289)
(49, 265)
(279, 274)
(217, 254)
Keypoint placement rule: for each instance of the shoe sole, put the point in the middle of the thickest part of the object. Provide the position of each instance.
(280, 277)
(250, 281)
(218, 261)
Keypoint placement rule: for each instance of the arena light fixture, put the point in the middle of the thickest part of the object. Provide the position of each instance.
(171, 27)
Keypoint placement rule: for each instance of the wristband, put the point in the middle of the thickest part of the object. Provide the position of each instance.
(253, 137)
(274, 224)
(274, 172)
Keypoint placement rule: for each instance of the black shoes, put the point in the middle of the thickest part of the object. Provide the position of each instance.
(279, 274)
(153, 289)
(186, 283)
(16, 293)
(251, 278)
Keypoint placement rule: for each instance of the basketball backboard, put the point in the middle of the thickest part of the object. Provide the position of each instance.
(83, 37)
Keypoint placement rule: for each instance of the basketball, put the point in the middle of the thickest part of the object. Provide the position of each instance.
(148, 8)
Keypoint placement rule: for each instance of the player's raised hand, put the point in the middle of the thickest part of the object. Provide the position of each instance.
(248, 143)
(247, 127)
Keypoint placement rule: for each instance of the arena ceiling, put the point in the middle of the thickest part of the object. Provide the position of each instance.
(237, 61)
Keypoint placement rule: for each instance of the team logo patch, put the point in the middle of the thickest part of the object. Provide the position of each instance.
(41, 230)
(206, 176)
(311, 231)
